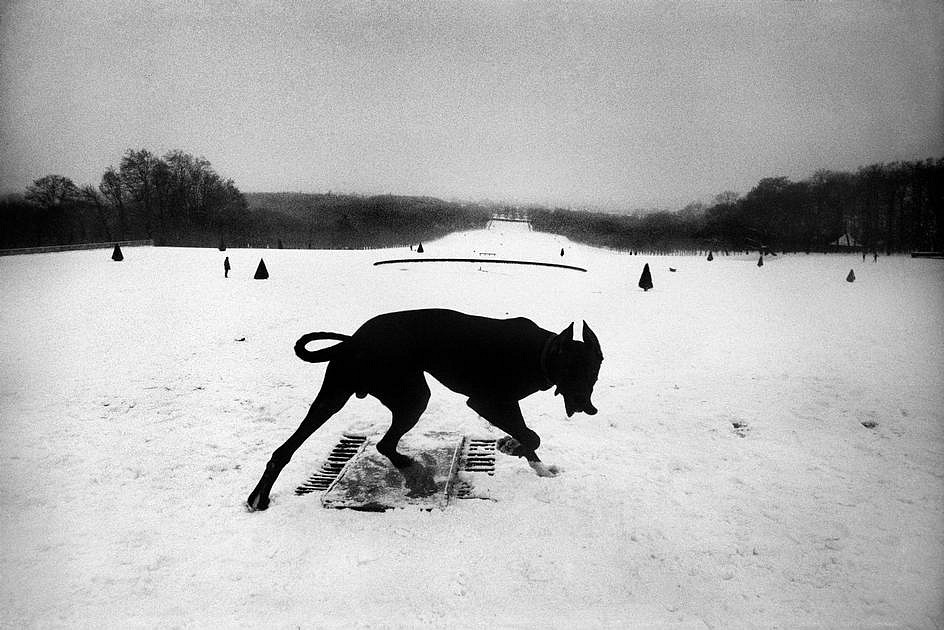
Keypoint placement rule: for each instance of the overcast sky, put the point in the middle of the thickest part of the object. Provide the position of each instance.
(626, 104)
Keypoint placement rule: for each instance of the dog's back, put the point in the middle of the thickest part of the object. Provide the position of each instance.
(469, 354)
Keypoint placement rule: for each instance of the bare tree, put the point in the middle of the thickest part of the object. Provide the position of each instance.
(52, 191)
(56, 196)
(113, 189)
(93, 199)
(137, 176)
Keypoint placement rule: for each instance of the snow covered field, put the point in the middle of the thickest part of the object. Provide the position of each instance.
(728, 481)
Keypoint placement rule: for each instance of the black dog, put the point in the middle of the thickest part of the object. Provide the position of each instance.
(495, 362)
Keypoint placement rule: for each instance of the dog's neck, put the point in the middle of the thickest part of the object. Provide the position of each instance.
(545, 351)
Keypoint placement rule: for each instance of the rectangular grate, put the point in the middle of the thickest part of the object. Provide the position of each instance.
(347, 447)
(369, 482)
(354, 477)
(478, 457)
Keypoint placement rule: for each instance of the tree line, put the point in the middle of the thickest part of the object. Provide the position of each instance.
(894, 207)
(177, 199)
(180, 200)
(332, 221)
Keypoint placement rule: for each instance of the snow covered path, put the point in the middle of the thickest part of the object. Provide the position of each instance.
(728, 481)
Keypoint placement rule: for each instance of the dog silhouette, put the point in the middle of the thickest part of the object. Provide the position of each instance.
(494, 362)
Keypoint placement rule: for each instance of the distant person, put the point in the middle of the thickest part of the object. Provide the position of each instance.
(226, 267)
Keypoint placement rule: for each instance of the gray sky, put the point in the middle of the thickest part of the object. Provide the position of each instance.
(624, 104)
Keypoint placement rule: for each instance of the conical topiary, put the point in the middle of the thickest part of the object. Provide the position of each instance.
(117, 255)
(261, 272)
(851, 276)
(760, 261)
(645, 280)
(419, 249)
(710, 256)
(562, 251)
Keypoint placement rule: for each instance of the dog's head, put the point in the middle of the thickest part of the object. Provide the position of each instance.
(574, 366)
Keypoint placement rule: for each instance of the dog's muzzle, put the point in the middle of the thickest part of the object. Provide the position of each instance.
(574, 406)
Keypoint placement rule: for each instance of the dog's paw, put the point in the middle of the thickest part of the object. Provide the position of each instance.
(543, 470)
(402, 461)
(508, 445)
(256, 504)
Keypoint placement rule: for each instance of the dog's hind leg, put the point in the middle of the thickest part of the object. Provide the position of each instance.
(330, 400)
(407, 400)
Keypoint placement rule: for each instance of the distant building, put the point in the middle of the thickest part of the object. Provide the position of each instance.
(511, 215)
(846, 241)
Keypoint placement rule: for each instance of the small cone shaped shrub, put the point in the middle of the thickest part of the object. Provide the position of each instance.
(562, 251)
(117, 255)
(419, 250)
(261, 272)
(222, 245)
(645, 280)
(851, 276)
(710, 256)
(760, 261)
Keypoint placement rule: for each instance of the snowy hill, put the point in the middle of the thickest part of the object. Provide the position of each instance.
(768, 451)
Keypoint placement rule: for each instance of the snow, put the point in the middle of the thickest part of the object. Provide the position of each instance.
(728, 480)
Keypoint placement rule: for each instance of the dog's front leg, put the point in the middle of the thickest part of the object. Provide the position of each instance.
(522, 441)
(543, 470)
(511, 446)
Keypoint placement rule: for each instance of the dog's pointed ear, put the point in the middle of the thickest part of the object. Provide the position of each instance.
(556, 345)
(568, 333)
(590, 338)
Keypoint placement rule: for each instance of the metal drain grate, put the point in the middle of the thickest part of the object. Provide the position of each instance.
(479, 456)
(464, 490)
(347, 447)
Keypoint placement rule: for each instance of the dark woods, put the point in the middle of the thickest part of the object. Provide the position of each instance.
(180, 200)
(329, 221)
(894, 207)
(176, 200)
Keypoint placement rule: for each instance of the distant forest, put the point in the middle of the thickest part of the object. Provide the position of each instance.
(174, 199)
(897, 207)
(330, 221)
(180, 200)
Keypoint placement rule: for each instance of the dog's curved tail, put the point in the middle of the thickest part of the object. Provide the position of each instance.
(322, 354)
